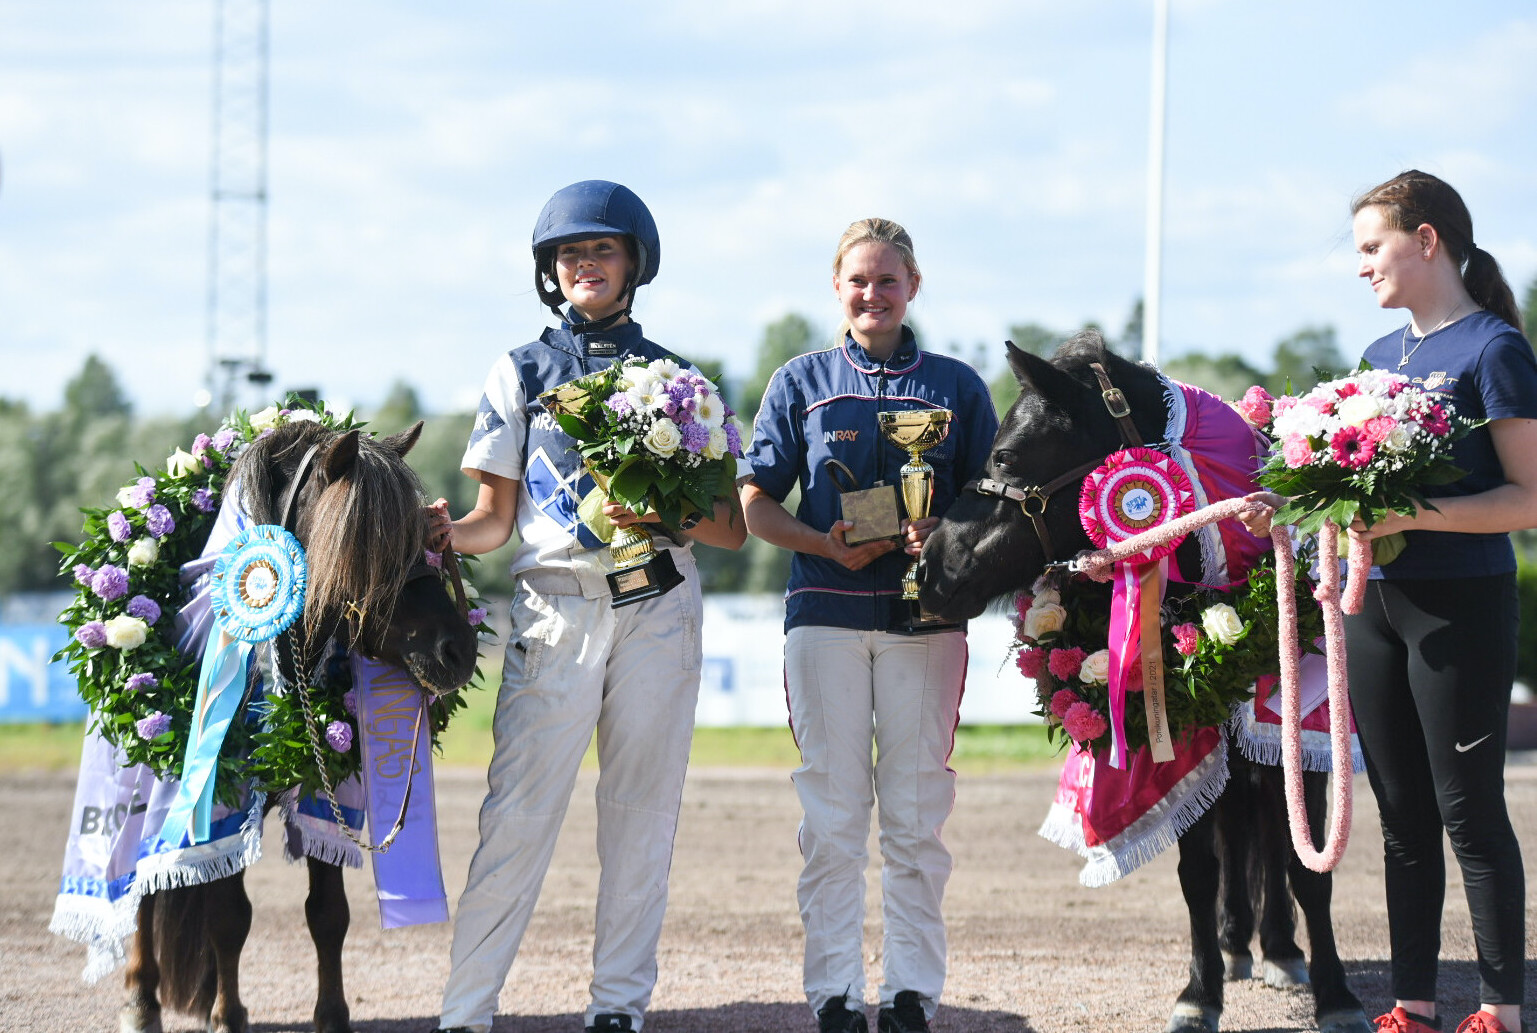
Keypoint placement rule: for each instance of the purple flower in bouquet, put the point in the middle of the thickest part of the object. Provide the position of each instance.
(142, 682)
(158, 521)
(339, 736)
(223, 440)
(350, 701)
(200, 446)
(156, 724)
(83, 574)
(733, 439)
(142, 493)
(619, 402)
(202, 500)
(110, 583)
(91, 634)
(118, 527)
(695, 436)
(476, 617)
(145, 608)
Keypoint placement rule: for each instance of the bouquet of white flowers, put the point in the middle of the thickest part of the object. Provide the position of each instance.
(657, 437)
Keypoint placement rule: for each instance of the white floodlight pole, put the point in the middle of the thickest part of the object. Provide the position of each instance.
(1152, 275)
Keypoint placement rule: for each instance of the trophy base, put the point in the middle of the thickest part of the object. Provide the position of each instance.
(913, 619)
(656, 576)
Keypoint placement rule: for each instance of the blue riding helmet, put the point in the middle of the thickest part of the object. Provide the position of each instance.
(598, 208)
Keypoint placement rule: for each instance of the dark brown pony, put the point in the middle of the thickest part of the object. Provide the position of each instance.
(356, 507)
(990, 546)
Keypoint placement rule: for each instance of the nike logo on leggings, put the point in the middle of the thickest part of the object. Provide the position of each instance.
(1463, 749)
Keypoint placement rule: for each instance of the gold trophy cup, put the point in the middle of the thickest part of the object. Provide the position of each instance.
(916, 431)
(640, 571)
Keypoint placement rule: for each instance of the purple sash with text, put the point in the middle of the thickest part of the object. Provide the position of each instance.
(409, 876)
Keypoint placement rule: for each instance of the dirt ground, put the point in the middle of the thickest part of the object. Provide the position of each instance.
(1030, 950)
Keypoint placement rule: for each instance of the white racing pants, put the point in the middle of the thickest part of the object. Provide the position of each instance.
(847, 688)
(574, 664)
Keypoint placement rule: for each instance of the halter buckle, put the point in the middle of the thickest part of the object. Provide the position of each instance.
(1115, 402)
(1034, 495)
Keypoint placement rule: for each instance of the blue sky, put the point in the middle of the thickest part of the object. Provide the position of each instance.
(411, 146)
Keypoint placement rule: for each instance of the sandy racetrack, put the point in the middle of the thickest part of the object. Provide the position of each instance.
(1030, 950)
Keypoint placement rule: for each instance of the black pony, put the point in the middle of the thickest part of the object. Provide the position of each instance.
(991, 545)
(357, 511)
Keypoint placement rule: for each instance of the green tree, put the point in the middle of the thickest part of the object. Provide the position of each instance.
(1529, 310)
(401, 408)
(785, 338)
(1304, 359)
(94, 392)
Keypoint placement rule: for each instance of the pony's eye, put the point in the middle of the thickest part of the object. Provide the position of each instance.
(1003, 457)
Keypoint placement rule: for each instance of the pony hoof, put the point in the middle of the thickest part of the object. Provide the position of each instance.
(1237, 967)
(1193, 1018)
(1348, 1021)
(133, 1019)
(1286, 973)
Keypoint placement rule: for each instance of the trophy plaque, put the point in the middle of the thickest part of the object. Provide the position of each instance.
(915, 431)
(641, 571)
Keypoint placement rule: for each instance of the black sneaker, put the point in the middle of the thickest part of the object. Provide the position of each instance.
(835, 1017)
(610, 1022)
(904, 1016)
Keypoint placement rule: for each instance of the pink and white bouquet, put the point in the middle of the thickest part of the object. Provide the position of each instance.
(1364, 445)
(657, 437)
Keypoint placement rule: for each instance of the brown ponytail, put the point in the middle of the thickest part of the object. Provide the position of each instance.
(1412, 199)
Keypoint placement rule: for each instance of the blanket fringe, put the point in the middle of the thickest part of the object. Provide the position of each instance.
(1260, 743)
(1147, 837)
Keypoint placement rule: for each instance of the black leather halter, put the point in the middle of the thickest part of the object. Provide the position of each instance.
(1037, 496)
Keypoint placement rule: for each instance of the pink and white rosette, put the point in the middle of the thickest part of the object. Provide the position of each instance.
(1133, 491)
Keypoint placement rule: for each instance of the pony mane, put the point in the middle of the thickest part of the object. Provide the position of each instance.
(363, 532)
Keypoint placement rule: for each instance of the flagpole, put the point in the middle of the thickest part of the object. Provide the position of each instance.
(1152, 276)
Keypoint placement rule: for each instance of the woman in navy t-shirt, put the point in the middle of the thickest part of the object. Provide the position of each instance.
(1433, 651)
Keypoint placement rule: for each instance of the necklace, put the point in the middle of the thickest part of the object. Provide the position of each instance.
(1405, 352)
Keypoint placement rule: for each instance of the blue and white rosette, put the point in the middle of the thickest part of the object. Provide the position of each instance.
(257, 591)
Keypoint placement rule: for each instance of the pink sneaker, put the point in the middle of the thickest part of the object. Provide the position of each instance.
(1399, 1021)
(1482, 1022)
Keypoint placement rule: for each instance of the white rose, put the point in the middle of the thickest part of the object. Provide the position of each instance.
(125, 496)
(266, 419)
(304, 416)
(125, 632)
(1400, 438)
(143, 553)
(1222, 623)
(1043, 619)
(1357, 409)
(716, 449)
(1095, 669)
(1046, 596)
(663, 438)
(183, 464)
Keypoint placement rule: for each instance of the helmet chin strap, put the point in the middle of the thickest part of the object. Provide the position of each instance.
(597, 326)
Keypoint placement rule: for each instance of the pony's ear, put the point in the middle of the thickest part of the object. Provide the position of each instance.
(406, 440)
(338, 458)
(1035, 375)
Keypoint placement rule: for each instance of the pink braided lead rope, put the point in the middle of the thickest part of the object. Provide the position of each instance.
(1099, 566)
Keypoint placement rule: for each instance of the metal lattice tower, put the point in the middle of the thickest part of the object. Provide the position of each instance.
(237, 226)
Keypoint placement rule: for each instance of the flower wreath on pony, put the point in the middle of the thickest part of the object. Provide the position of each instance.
(1216, 646)
(123, 647)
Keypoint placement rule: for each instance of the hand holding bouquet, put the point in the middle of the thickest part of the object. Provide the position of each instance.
(658, 438)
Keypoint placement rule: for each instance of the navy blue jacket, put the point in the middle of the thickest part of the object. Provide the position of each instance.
(823, 405)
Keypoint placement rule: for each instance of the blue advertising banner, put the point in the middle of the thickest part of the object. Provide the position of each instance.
(31, 688)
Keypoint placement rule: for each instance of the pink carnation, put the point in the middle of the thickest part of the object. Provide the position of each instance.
(1083, 723)
(1283, 405)
(1022, 605)
(1378, 428)
(1351, 447)
(1323, 406)
(1062, 700)
(1064, 663)
(1187, 639)
(1255, 405)
(1031, 661)
(1296, 451)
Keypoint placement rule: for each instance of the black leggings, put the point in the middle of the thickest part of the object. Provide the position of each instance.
(1431, 666)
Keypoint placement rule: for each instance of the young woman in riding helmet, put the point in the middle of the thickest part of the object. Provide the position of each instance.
(574, 662)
